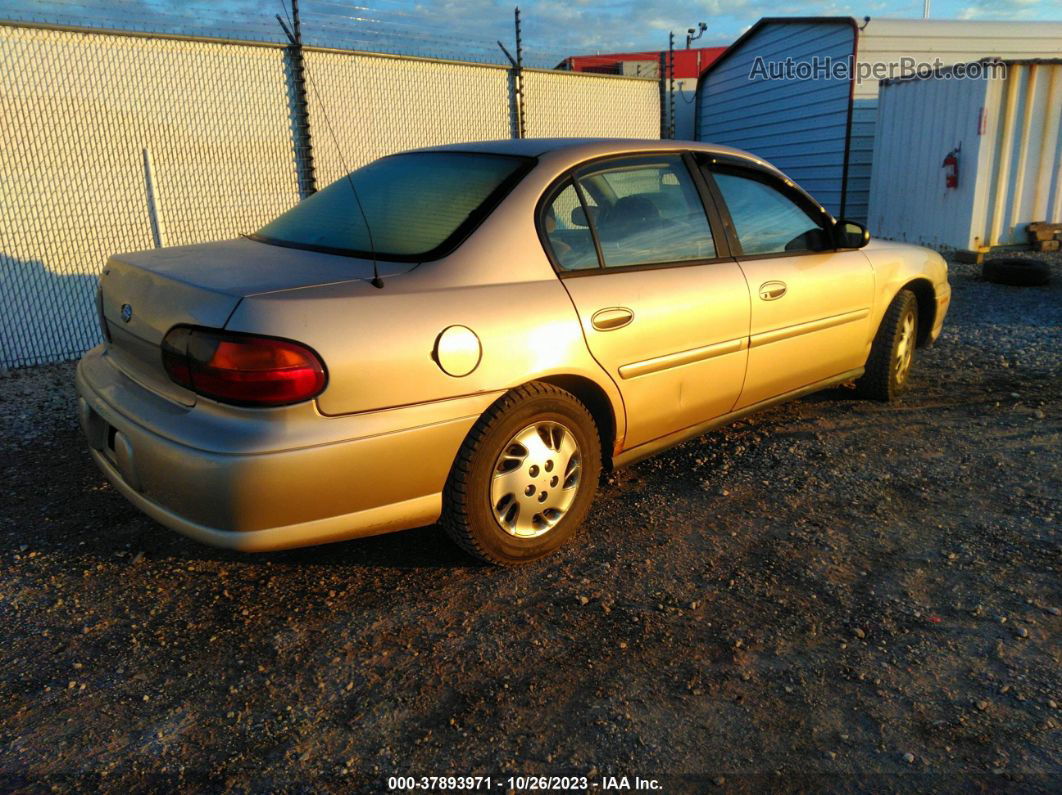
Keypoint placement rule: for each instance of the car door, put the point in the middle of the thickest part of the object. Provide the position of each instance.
(811, 302)
(663, 307)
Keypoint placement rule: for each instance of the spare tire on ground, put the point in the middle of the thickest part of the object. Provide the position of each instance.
(1021, 271)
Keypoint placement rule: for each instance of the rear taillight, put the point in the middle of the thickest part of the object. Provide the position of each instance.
(243, 369)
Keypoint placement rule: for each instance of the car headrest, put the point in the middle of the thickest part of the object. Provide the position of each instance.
(632, 210)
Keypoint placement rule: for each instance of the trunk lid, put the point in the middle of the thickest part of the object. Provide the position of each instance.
(146, 293)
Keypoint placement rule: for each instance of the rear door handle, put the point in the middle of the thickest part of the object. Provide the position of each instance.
(772, 291)
(612, 318)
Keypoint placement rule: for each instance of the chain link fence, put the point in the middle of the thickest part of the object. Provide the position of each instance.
(120, 141)
(565, 104)
(378, 104)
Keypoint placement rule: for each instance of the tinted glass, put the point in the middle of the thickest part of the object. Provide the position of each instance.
(650, 212)
(569, 234)
(766, 220)
(414, 203)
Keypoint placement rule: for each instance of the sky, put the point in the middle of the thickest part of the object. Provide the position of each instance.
(469, 29)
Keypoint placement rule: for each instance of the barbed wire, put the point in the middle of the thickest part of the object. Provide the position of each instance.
(380, 26)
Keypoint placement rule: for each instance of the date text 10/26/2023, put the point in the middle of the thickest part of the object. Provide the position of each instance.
(522, 783)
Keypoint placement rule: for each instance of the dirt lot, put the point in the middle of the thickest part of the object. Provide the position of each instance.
(834, 594)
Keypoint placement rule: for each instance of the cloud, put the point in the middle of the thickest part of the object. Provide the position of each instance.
(469, 29)
(1001, 9)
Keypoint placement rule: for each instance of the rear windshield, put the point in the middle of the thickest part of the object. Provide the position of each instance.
(418, 205)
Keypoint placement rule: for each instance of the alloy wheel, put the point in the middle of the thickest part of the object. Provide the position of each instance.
(535, 479)
(905, 348)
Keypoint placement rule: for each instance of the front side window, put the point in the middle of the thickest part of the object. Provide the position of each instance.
(415, 204)
(766, 220)
(648, 211)
(568, 231)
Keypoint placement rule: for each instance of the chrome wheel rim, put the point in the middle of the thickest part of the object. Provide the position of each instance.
(905, 348)
(535, 479)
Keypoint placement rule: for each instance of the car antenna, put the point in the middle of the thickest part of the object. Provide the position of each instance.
(296, 41)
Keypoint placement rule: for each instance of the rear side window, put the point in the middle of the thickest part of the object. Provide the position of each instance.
(568, 230)
(766, 220)
(649, 211)
(417, 204)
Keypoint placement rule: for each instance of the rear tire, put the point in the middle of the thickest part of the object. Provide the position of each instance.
(888, 368)
(525, 476)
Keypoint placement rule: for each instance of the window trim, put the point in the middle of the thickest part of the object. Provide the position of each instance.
(789, 189)
(456, 238)
(589, 224)
(555, 189)
(715, 222)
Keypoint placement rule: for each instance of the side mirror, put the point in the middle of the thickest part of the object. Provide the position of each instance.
(850, 234)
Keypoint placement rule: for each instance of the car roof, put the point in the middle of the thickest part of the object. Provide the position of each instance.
(577, 149)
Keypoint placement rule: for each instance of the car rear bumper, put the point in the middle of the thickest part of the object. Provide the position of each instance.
(264, 480)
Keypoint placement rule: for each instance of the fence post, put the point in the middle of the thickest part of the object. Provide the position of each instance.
(663, 97)
(520, 118)
(295, 75)
(516, 83)
(671, 84)
(158, 233)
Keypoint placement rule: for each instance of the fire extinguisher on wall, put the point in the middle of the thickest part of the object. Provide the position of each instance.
(951, 168)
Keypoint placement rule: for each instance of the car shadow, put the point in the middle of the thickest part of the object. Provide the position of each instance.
(834, 395)
(421, 547)
(425, 547)
(45, 316)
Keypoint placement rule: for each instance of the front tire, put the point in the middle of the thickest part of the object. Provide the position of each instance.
(888, 369)
(525, 476)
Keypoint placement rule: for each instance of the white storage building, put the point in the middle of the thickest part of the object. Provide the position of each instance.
(1001, 138)
(818, 127)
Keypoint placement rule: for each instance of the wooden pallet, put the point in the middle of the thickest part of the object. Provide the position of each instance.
(1045, 236)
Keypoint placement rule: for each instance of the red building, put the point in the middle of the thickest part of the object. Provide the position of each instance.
(688, 63)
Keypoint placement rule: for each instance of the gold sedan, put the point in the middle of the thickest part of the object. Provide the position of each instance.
(470, 333)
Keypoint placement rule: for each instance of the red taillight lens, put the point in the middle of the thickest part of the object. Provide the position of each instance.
(241, 368)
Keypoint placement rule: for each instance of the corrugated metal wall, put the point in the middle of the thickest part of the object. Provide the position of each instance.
(78, 109)
(734, 109)
(1020, 170)
(798, 125)
(1010, 164)
(919, 122)
(950, 41)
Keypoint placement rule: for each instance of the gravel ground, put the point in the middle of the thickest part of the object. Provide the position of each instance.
(833, 594)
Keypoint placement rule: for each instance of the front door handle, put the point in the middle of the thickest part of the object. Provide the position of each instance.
(612, 318)
(772, 291)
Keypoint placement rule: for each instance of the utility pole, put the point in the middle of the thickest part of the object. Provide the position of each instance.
(925, 9)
